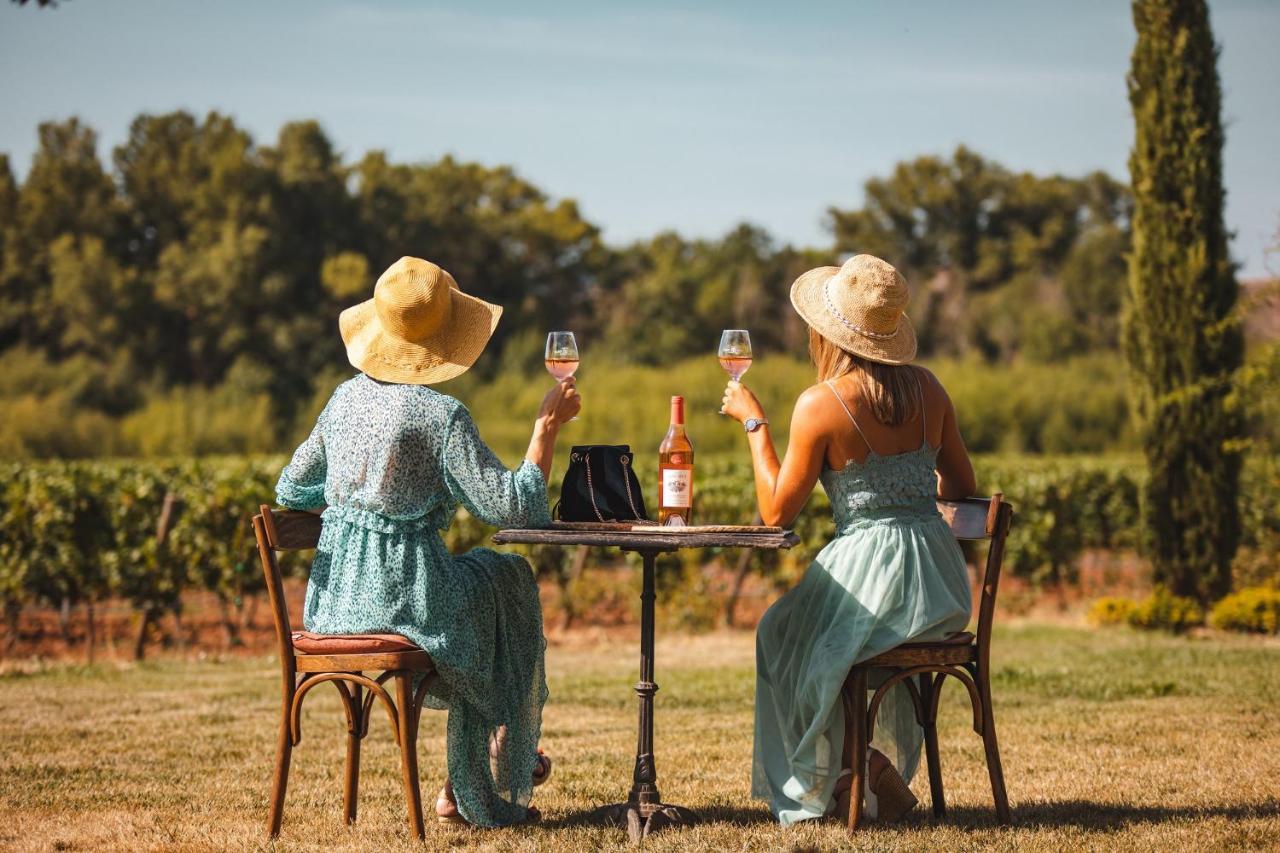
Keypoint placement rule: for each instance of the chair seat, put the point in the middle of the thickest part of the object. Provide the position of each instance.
(307, 643)
(958, 648)
(418, 661)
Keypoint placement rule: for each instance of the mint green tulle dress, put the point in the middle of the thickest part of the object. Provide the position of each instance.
(893, 573)
(391, 463)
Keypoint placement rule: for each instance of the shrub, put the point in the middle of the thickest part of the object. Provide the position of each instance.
(1112, 611)
(1165, 611)
(1254, 610)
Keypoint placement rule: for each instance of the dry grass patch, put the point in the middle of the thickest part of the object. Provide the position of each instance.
(1111, 739)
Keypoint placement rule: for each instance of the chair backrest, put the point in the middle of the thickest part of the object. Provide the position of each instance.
(282, 530)
(982, 518)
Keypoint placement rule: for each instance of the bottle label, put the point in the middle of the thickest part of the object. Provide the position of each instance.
(677, 488)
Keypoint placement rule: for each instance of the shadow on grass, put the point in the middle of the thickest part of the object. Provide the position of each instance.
(737, 815)
(1081, 814)
(1085, 814)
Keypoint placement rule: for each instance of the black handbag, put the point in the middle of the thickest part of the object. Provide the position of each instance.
(600, 485)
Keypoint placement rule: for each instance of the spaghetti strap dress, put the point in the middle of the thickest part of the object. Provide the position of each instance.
(391, 463)
(892, 574)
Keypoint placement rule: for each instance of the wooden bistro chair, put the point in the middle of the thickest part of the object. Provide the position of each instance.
(309, 659)
(922, 667)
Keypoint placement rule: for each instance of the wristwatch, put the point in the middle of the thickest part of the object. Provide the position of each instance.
(753, 424)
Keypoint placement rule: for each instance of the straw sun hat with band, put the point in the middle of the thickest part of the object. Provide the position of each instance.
(860, 307)
(419, 328)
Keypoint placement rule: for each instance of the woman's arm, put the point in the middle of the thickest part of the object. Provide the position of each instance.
(479, 481)
(559, 405)
(956, 479)
(781, 487)
(301, 483)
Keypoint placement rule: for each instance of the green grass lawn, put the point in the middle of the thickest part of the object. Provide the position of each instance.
(1111, 739)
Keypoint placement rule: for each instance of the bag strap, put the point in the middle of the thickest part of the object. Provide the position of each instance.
(591, 489)
(626, 480)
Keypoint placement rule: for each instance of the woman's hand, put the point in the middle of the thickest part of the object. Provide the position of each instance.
(560, 404)
(739, 403)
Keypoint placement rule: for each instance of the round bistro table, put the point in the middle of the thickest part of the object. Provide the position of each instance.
(644, 812)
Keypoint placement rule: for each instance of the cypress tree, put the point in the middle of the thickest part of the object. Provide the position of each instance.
(1182, 339)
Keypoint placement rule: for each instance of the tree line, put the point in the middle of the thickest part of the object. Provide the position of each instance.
(197, 258)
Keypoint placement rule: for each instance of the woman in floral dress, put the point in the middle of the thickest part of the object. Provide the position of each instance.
(390, 459)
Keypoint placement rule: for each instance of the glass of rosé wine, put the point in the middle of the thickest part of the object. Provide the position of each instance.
(735, 352)
(562, 356)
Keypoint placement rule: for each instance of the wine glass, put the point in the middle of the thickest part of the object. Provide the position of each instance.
(735, 352)
(562, 356)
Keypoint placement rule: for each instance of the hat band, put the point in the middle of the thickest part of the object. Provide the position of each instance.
(831, 306)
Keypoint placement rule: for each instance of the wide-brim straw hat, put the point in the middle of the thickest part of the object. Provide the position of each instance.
(419, 328)
(860, 307)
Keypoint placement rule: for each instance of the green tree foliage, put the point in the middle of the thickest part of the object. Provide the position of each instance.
(1183, 342)
(1004, 263)
(206, 269)
(12, 299)
(674, 295)
(66, 192)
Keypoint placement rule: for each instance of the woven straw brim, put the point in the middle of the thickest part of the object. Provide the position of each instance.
(809, 300)
(447, 353)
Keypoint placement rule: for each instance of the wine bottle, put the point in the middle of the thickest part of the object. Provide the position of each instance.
(675, 470)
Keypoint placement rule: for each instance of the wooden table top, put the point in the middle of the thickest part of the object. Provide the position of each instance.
(770, 539)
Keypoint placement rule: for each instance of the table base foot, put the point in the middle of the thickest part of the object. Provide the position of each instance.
(643, 820)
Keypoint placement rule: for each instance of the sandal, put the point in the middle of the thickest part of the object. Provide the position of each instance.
(542, 763)
(893, 796)
(541, 769)
(446, 808)
(447, 811)
(840, 796)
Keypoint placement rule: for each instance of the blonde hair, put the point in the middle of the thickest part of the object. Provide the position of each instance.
(892, 390)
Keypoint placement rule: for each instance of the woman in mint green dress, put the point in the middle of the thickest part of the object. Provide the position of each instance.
(881, 436)
(389, 460)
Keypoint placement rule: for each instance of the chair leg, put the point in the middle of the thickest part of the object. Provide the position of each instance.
(928, 700)
(856, 731)
(408, 725)
(280, 781)
(992, 747)
(351, 782)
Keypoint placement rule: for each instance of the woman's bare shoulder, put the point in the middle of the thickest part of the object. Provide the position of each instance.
(817, 397)
(930, 383)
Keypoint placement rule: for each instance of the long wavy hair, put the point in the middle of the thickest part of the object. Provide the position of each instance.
(892, 390)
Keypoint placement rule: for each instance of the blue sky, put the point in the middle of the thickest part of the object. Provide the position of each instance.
(653, 115)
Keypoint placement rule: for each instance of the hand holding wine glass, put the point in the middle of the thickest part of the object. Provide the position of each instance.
(735, 357)
(561, 404)
(739, 403)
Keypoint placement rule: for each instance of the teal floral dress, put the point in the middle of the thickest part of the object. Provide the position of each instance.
(893, 573)
(391, 463)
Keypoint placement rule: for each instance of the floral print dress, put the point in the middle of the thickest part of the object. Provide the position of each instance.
(391, 463)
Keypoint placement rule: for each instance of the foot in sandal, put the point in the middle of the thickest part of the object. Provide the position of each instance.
(447, 807)
(893, 797)
(840, 796)
(541, 769)
(447, 810)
